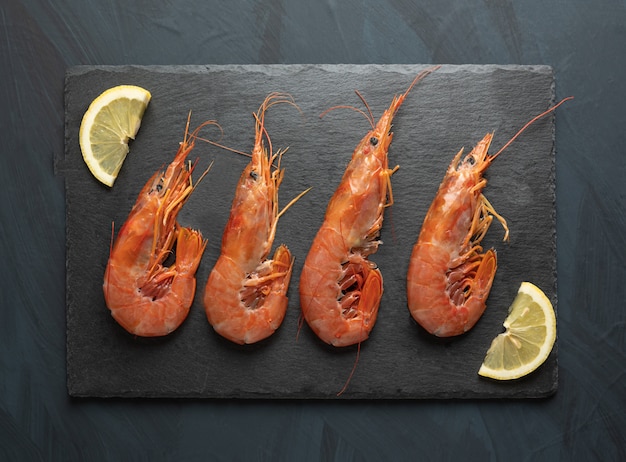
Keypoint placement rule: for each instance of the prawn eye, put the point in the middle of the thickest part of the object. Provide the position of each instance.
(374, 141)
(471, 161)
(254, 175)
(159, 186)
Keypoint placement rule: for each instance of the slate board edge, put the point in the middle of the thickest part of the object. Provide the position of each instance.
(77, 70)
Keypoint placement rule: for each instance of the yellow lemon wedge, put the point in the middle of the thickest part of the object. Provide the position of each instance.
(112, 119)
(530, 333)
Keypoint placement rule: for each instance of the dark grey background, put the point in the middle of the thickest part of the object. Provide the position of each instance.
(583, 41)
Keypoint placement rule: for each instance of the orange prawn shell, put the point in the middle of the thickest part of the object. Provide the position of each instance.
(144, 297)
(449, 217)
(245, 243)
(352, 220)
(245, 297)
(251, 216)
(445, 243)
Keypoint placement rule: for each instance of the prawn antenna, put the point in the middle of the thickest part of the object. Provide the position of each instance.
(222, 146)
(261, 126)
(528, 124)
(356, 361)
(300, 324)
(193, 188)
(368, 115)
(187, 128)
(217, 143)
(421, 76)
(292, 201)
(367, 106)
(110, 252)
(398, 100)
(279, 98)
(204, 124)
(212, 142)
(112, 236)
(273, 99)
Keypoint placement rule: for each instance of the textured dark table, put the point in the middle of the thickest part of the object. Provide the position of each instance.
(582, 41)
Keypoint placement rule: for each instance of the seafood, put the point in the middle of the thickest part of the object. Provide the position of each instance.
(245, 297)
(340, 289)
(449, 276)
(145, 297)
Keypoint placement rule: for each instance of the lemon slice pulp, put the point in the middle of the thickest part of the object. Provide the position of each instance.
(528, 339)
(112, 119)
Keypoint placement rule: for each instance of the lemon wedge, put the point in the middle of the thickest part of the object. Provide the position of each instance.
(112, 119)
(528, 339)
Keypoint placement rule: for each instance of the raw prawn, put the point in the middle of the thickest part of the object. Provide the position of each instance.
(245, 297)
(340, 289)
(145, 297)
(449, 276)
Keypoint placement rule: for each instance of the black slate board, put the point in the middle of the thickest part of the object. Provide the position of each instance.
(453, 107)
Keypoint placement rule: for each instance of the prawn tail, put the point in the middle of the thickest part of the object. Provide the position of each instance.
(278, 283)
(369, 302)
(274, 285)
(189, 249)
(371, 293)
(282, 267)
(475, 305)
(485, 273)
(264, 298)
(283, 263)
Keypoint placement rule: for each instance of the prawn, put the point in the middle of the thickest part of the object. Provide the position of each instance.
(449, 276)
(340, 289)
(245, 297)
(145, 297)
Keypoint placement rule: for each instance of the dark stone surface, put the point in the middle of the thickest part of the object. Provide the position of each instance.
(451, 108)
